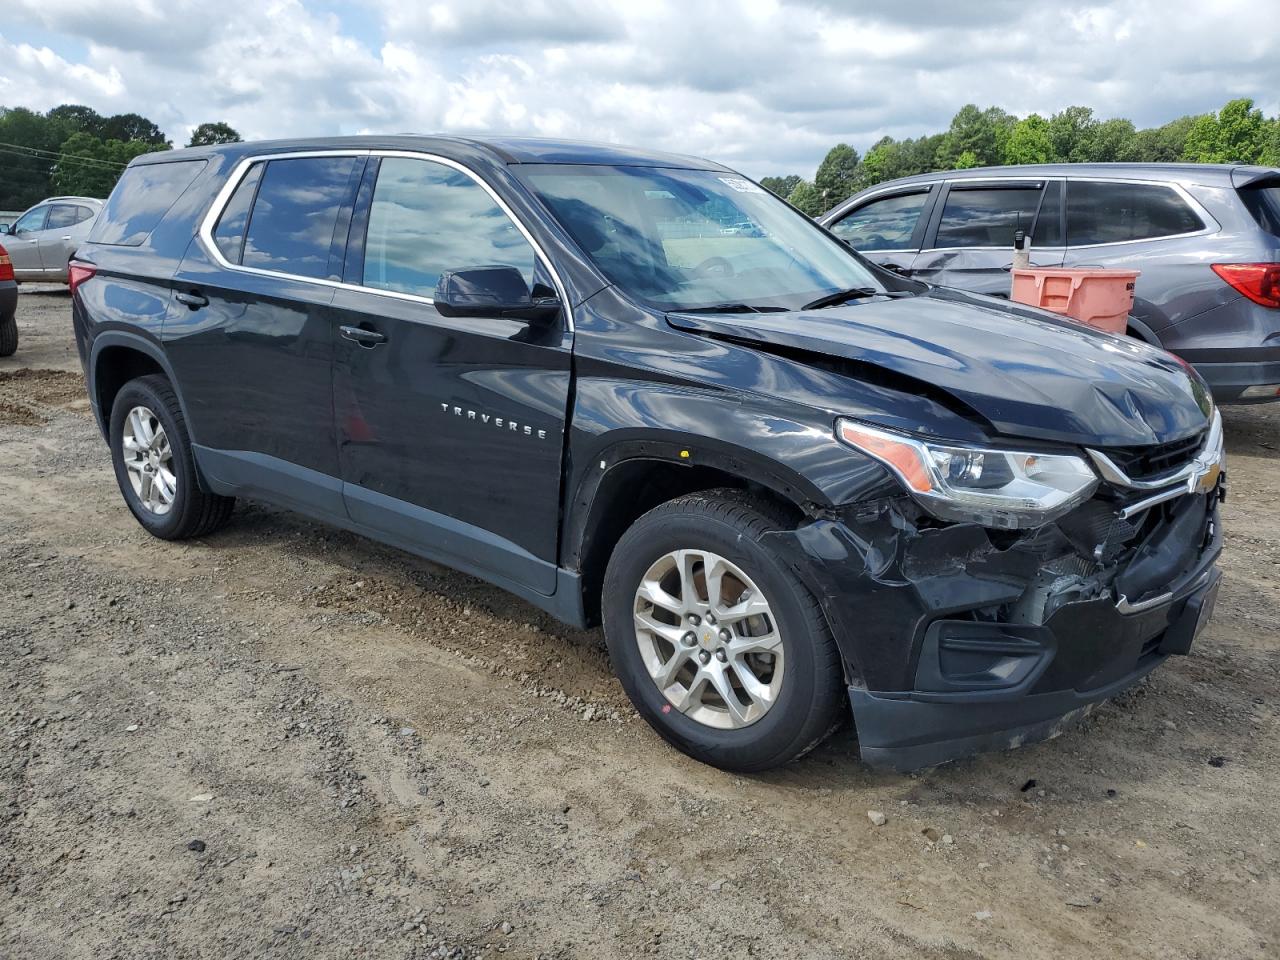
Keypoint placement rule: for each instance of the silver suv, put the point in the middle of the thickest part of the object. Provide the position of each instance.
(1206, 238)
(42, 240)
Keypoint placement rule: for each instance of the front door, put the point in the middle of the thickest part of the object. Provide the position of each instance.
(970, 241)
(450, 430)
(23, 243)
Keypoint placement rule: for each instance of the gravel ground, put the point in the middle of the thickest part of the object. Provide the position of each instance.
(286, 741)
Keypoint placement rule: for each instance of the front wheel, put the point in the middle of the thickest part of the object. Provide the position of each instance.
(719, 646)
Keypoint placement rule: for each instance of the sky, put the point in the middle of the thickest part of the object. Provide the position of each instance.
(767, 86)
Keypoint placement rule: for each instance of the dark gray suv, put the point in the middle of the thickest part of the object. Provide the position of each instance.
(1206, 238)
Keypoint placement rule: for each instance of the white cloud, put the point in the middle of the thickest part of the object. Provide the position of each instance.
(766, 85)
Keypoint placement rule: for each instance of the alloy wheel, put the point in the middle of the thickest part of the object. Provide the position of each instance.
(709, 639)
(148, 458)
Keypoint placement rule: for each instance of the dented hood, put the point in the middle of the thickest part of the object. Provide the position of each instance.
(1025, 373)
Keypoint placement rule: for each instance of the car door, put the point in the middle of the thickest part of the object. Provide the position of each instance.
(250, 333)
(450, 430)
(58, 238)
(969, 241)
(888, 227)
(23, 243)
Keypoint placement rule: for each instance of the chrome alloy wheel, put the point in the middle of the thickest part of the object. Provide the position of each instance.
(709, 639)
(148, 458)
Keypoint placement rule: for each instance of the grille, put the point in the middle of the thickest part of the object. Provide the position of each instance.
(1143, 463)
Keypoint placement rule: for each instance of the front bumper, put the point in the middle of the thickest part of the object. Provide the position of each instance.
(957, 640)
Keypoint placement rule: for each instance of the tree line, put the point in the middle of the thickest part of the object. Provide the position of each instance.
(73, 150)
(1238, 133)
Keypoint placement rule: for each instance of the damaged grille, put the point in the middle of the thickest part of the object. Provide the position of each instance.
(1144, 463)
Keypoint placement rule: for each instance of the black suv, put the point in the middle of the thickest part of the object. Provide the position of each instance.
(638, 389)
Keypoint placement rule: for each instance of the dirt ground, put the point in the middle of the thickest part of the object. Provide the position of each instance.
(286, 741)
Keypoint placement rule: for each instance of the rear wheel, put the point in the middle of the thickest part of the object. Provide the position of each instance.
(151, 453)
(721, 649)
(8, 336)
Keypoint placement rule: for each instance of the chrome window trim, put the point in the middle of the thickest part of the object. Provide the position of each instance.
(223, 197)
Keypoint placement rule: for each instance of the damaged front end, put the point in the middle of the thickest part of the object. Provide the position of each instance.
(958, 637)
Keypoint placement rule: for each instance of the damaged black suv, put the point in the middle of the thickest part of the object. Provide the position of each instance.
(638, 390)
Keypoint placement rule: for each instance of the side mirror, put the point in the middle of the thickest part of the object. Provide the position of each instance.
(491, 292)
(5, 229)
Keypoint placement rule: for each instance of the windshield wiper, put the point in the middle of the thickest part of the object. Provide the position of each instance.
(733, 308)
(853, 293)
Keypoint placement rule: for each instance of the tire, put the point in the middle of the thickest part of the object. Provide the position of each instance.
(724, 527)
(189, 511)
(9, 336)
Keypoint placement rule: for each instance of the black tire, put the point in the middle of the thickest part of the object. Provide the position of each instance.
(9, 336)
(194, 513)
(810, 702)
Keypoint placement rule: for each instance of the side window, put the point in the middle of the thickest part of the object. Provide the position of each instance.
(883, 224)
(290, 229)
(1048, 231)
(31, 220)
(83, 214)
(426, 218)
(229, 233)
(61, 215)
(1117, 212)
(140, 200)
(986, 216)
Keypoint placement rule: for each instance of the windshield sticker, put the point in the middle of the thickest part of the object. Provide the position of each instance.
(741, 185)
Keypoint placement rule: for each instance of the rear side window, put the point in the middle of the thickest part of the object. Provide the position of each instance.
(141, 199)
(83, 214)
(1264, 203)
(986, 217)
(229, 234)
(1120, 212)
(290, 228)
(427, 218)
(62, 215)
(886, 224)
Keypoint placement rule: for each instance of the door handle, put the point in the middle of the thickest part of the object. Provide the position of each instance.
(66, 238)
(193, 300)
(366, 338)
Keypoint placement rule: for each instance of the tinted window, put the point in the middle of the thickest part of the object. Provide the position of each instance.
(83, 214)
(291, 227)
(883, 224)
(141, 198)
(61, 215)
(1116, 212)
(1264, 203)
(229, 234)
(427, 218)
(1048, 231)
(986, 217)
(31, 220)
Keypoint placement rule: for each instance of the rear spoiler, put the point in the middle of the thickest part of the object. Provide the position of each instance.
(1242, 177)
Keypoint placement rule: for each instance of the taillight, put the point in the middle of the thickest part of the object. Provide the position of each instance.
(6, 265)
(1260, 282)
(78, 273)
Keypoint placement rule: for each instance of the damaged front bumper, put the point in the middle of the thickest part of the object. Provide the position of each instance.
(958, 639)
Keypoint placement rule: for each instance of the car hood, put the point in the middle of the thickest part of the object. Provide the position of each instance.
(1024, 372)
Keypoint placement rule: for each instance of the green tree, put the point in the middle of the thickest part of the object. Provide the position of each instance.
(782, 186)
(967, 161)
(131, 126)
(1270, 155)
(1236, 134)
(1071, 133)
(887, 160)
(77, 118)
(208, 134)
(837, 176)
(806, 198)
(1108, 140)
(1030, 141)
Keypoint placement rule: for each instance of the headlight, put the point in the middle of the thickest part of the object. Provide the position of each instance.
(996, 488)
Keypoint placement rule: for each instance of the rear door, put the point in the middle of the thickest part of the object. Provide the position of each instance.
(250, 336)
(969, 241)
(888, 227)
(450, 429)
(62, 234)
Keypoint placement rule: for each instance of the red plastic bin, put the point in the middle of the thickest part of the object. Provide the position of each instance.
(1097, 298)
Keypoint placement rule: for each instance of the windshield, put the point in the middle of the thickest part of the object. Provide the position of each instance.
(690, 239)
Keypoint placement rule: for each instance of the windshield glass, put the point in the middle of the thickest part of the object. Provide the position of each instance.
(690, 239)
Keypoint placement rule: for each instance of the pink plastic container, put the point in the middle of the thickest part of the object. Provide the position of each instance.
(1098, 298)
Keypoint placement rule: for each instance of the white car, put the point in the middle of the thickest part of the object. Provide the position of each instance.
(42, 240)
